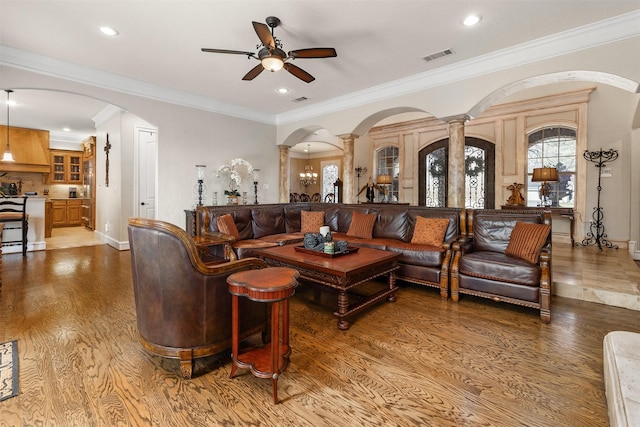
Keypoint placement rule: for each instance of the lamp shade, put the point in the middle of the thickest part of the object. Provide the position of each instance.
(544, 175)
(384, 179)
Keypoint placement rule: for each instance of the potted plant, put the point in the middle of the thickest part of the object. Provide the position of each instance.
(232, 196)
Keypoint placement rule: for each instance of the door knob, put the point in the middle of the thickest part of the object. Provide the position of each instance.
(142, 203)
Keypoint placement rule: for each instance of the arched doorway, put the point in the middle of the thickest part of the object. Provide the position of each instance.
(433, 163)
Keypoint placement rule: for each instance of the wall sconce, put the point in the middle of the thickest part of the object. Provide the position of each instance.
(200, 169)
(544, 175)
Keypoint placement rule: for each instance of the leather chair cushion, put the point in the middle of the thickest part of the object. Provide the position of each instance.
(429, 231)
(392, 224)
(292, 219)
(362, 225)
(311, 221)
(492, 232)
(421, 255)
(499, 267)
(227, 225)
(247, 248)
(268, 221)
(526, 240)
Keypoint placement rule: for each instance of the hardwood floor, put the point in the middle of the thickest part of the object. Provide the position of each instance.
(418, 361)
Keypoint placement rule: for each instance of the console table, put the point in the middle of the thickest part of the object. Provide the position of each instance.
(561, 212)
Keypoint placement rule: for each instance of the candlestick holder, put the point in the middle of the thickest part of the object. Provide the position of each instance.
(200, 169)
(596, 234)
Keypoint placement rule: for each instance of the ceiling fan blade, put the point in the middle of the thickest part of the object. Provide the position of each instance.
(299, 72)
(235, 52)
(264, 34)
(315, 52)
(254, 72)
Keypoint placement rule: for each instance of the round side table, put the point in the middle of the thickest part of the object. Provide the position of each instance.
(270, 285)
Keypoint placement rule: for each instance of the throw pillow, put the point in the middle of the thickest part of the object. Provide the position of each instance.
(362, 225)
(310, 222)
(429, 231)
(527, 239)
(227, 225)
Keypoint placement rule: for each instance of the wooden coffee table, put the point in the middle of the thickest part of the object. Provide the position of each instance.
(341, 273)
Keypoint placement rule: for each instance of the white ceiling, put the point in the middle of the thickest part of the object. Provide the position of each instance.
(159, 43)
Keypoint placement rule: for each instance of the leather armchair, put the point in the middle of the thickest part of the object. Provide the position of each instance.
(183, 306)
(480, 266)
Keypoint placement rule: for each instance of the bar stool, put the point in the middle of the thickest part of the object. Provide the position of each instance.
(271, 285)
(15, 217)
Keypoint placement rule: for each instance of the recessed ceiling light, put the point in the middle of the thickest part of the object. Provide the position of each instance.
(471, 20)
(109, 31)
(66, 129)
(283, 90)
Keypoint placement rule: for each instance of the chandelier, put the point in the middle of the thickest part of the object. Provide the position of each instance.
(308, 177)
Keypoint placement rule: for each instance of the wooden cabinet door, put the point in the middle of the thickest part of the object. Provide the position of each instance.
(59, 213)
(58, 168)
(74, 212)
(66, 167)
(74, 175)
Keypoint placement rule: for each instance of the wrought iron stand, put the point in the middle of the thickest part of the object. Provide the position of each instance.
(359, 172)
(596, 234)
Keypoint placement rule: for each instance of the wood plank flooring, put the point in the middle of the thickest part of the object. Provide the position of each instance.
(417, 362)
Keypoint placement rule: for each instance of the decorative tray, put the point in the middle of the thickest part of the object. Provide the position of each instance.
(350, 250)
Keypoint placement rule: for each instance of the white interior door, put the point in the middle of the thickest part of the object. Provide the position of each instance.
(147, 166)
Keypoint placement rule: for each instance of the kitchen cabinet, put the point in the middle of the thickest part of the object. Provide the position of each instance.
(66, 167)
(66, 212)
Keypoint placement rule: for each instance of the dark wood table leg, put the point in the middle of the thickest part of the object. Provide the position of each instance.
(392, 285)
(343, 307)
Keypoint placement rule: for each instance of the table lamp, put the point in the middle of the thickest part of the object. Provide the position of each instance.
(544, 175)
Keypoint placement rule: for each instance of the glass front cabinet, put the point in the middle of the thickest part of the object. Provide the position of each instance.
(66, 167)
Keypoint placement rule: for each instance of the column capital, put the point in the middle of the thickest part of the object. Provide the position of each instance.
(460, 118)
(348, 137)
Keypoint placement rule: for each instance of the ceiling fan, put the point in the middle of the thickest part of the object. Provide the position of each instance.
(271, 55)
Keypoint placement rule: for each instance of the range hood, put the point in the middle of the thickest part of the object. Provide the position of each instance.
(30, 149)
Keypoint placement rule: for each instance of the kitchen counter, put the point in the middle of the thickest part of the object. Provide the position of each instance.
(35, 236)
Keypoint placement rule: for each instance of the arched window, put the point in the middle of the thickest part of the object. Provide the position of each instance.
(388, 163)
(552, 147)
(330, 173)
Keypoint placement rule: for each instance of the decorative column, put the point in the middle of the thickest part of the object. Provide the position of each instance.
(455, 177)
(283, 185)
(348, 170)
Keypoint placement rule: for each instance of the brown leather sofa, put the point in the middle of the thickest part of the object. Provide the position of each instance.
(277, 224)
(183, 305)
(481, 267)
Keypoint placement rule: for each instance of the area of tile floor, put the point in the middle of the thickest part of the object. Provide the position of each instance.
(71, 237)
(608, 277)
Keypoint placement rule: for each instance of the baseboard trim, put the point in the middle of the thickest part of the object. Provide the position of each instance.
(121, 246)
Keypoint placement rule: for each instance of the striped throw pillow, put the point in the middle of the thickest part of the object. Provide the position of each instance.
(526, 240)
(361, 225)
(227, 225)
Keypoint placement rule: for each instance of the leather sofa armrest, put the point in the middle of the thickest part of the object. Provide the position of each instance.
(463, 245)
(220, 236)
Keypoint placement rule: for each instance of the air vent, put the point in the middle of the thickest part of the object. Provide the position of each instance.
(437, 55)
(302, 98)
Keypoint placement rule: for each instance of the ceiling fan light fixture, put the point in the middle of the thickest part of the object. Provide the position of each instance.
(272, 60)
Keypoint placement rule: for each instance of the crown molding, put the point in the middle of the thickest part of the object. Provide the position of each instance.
(41, 64)
(602, 32)
(599, 33)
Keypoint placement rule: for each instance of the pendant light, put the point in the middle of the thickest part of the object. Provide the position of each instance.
(8, 157)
